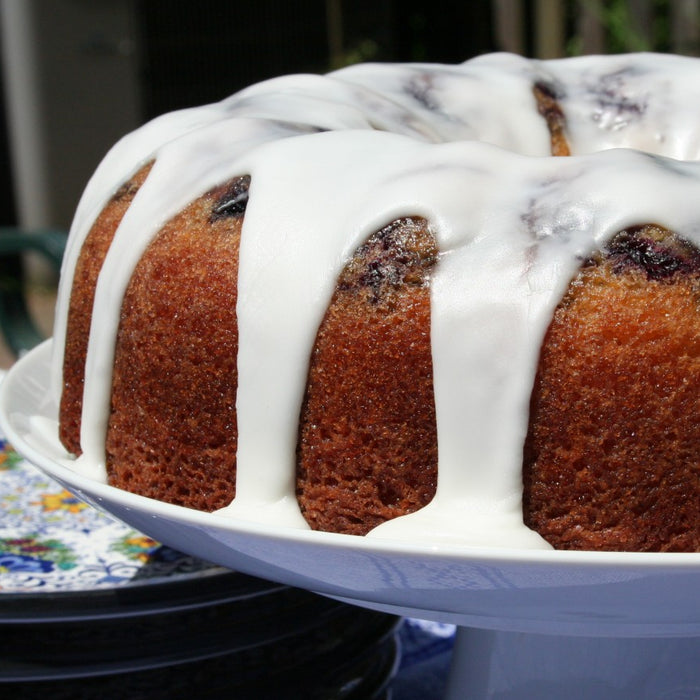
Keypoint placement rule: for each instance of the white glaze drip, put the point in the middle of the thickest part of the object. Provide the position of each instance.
(511, 230)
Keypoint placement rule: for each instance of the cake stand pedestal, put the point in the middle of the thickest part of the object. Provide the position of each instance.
(523, 666)
(533, 624)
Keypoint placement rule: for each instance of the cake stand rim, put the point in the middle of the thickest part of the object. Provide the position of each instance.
(400, 575)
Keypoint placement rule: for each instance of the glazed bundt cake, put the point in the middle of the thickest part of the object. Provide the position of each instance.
(411, 301)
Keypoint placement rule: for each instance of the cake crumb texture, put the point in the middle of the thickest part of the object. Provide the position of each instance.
(612, 455)
(172, 432)
(368, 447)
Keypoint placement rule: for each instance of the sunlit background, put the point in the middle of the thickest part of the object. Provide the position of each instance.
(78, 74)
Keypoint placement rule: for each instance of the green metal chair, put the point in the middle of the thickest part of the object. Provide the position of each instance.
(16, 324)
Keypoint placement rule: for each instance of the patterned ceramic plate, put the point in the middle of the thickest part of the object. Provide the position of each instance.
(51, 541)
(83, 595)
(54, 547)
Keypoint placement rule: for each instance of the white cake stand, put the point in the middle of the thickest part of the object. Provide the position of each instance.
(532, 624)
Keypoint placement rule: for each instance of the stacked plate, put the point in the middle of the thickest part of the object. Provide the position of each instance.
(90, 608)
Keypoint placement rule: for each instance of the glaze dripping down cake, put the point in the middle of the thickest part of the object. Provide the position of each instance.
(427, 302)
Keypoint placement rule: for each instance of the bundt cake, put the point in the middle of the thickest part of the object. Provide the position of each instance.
(413, 301)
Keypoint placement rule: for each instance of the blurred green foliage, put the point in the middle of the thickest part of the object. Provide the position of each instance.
(624, 31)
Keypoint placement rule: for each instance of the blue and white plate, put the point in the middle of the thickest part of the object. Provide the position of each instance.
(92, 605)
(61, 559)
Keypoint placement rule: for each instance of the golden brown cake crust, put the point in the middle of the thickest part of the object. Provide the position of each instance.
(549, 108)
(367, 448)
(172, 432)
(87, 269)
(612, 458)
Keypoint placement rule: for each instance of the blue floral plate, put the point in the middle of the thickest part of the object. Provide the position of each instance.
(61, 559)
